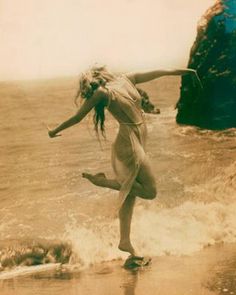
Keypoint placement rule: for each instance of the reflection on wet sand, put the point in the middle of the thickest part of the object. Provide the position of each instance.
(224, 277)
(209, 272)
(130, 282)
(98, 280)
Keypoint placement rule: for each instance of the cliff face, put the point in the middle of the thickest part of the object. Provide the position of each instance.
(213, 55)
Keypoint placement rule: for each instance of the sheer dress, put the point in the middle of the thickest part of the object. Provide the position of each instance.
(128, 150)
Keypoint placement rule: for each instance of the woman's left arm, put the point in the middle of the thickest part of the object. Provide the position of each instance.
(142, 77)
(88, 104)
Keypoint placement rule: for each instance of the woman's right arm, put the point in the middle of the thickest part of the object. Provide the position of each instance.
(141, 77)
(88, 104)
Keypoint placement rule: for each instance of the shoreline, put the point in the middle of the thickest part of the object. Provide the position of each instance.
(210, 271)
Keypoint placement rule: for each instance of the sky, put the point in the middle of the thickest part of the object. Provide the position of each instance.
(51, 38)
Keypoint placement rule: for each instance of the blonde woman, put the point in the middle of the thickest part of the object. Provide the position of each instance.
(102, 89)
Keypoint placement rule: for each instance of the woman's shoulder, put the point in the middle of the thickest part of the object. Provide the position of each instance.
(101, 94)
(101, 91)
(130, 77)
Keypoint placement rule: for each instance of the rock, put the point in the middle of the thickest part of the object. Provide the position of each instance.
(147, 105)
(213, 55)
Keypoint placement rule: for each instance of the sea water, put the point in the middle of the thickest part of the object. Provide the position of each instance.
(50, 214)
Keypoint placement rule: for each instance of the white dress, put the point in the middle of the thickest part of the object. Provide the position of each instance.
(128, 150)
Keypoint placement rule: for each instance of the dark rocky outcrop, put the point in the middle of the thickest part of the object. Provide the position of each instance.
(29, 253)
(213, 55)
(146, 103)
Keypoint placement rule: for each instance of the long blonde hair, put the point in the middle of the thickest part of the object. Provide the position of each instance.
(89, 81)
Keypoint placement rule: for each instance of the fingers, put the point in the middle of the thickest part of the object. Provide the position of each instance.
(199, 81)
(86, 175)
(52, 135)
(196, 80)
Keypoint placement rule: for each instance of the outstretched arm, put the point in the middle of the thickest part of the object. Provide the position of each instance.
(88, 104)
(141, 77)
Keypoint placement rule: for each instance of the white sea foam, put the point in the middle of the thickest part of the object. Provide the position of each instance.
(182, 230)
(207, 218)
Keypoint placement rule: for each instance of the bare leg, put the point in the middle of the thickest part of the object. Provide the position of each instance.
(144, 186)
(100, 179)
(125, 212)
(125, 216)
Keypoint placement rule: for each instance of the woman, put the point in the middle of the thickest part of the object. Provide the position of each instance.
(134, 177)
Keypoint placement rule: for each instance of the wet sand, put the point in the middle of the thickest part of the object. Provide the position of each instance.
(210, 271)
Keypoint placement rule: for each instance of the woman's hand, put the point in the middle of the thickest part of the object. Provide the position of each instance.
(52, 133)
(195, 78)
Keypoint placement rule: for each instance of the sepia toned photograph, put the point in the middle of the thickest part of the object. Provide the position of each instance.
(118, 147)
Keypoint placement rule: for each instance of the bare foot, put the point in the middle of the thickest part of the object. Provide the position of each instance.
(97, 179)
(126, 246)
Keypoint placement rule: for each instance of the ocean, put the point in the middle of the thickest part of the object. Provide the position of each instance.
(49, 214)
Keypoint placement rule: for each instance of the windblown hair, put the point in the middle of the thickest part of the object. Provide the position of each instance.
(89, 82)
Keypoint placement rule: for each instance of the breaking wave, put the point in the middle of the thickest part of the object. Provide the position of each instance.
(156, 231)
